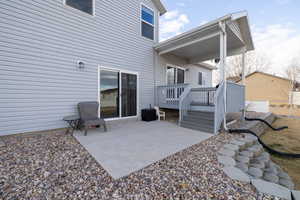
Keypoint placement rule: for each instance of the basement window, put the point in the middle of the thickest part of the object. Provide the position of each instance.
(86, 6)
(147, 22)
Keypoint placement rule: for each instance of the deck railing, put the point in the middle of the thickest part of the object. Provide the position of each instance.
(169, 95)
(182, 97)
(203, 96)
(235, 97)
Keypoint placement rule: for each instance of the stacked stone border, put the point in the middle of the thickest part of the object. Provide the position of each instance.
(245, 160)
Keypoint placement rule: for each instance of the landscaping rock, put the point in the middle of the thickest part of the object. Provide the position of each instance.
(242, 166)
(296, 194)
(248, 142)
(287, 183)
(227, 152)
(236, 174)
(255, 172)
(265, 155)
(271, 189)
(259, 165)
(2, 144)
(227, 161)
(261, 159)
(256, 149)
(240, 144)
(248, 154)
(242, 159)
(283, 175)
(248, 136)
(272, 170)
(271, 177)
(232, 147)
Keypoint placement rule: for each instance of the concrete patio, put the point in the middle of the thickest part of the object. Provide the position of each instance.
(128, 147)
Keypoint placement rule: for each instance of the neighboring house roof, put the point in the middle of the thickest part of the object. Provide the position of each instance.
(160, 6)
(297, 84)
(207, 66)
(258, 72)
(201, 43)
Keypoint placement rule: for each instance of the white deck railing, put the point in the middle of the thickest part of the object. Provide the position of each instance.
(169, 95)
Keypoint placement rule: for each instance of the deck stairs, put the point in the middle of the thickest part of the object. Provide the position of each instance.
(202, 108)
(199, 120)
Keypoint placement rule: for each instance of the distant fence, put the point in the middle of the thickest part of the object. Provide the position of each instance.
(258, 106)
(296, 98)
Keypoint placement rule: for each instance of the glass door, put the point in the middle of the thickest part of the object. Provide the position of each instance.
(129, 95)
(109, 94)
(118, 94)
(175, 75)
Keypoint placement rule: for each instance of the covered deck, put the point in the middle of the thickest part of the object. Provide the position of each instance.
(227, 36)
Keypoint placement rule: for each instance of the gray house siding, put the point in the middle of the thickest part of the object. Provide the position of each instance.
(192, 76)
(40, 43)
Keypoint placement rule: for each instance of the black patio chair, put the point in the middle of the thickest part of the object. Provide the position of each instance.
(88, 112)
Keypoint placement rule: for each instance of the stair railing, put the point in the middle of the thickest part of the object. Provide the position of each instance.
(184, 103)
(219, 107)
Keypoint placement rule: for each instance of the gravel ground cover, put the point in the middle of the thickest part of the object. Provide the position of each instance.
(55, 166)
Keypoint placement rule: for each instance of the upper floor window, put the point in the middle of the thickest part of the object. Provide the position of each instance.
(86, 6)
(147, 22)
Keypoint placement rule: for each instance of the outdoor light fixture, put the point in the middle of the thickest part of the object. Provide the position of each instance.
(80, 64)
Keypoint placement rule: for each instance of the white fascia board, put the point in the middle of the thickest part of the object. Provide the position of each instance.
(162, 9)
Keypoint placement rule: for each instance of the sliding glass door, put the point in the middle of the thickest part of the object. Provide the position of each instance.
(118, 94)
(109, 94)
(175, 75)
(129, 94)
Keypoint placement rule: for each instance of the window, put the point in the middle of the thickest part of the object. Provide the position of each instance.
(147, 22)
(86, 6)
(175, 75)
(200, 78)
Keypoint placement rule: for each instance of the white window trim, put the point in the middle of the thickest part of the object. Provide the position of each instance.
(153, 25)
(177, 67)
(100, 67)
(80, 11)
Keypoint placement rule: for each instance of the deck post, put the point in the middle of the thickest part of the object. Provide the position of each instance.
(223, 55)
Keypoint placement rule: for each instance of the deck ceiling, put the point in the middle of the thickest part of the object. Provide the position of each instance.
(203, 43)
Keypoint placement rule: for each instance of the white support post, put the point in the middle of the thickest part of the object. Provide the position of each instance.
(223, 55)
(243, 68)
(243, 81)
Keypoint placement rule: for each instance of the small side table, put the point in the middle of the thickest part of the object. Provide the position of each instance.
(73, 121)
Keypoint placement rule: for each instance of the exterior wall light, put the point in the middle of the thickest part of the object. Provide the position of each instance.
(80, 64)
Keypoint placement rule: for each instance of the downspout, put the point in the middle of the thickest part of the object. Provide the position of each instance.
(223, 55)
(244, 81)
(155, 60)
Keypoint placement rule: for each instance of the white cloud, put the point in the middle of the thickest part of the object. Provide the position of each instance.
(172, 23)
(170, 15)
(280, 43)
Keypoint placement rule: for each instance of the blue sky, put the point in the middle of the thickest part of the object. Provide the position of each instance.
(275, 24)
